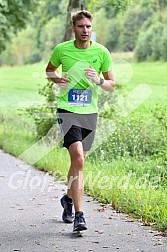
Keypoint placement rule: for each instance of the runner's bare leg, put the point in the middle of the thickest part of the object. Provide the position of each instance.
(75, 175)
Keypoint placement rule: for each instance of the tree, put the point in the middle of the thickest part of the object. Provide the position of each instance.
(13, 16)
(50, 9)
(131, 27)
(151, 44)
(23, 46)
(101, 27)
(48, 39)
(156, 5)
(90, 5)
(73, 5)
(121, 5)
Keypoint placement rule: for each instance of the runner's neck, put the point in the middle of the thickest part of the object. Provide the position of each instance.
(82, 45)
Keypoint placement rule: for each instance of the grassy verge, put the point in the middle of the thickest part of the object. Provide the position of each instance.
(131, 185)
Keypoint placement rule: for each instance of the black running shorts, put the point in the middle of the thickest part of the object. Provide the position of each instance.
(77, 127)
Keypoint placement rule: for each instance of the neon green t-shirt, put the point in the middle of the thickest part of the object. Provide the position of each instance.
(82, 94)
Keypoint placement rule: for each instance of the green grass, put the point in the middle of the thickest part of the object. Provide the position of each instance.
(19, 86)
(154, 75)
(133, 186)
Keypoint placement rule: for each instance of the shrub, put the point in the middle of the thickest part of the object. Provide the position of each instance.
(44, 115)
(34, 57)
(131, 27)
(138, 136)
(163, 45)
(114, 32)
(151, 43)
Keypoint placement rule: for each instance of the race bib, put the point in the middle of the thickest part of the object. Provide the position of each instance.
(78, 97)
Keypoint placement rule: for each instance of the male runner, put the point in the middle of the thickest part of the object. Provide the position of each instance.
(82, 61)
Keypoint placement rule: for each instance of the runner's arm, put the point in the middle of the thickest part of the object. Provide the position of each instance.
(53, 76)
(109, 81)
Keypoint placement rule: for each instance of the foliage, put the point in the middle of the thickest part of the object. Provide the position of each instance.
(101, 27)
(114, 33)
(121, 5)
(33, 57)
(163, 45)
(137, 136)
(48, 39)
(123, 26)
(48, 30)
(24, 46)
(151, 44)
(44, 114)
(131, 27)
(13, 16)
(157, 5)
(50, 9)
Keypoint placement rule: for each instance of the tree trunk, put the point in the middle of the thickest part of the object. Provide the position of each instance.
(73, 5)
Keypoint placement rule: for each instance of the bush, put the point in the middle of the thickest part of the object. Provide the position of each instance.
(101, 28)
(24, 44)
(34, 57)
(137, 136)
(151, 43)
(51, 34)
(44, 115)
(163, 45)
(114, 32)
(131, 27)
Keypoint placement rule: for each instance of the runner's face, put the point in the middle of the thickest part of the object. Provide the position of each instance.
(83, 29)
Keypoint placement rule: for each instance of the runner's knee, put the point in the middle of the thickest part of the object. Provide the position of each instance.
(78, 162)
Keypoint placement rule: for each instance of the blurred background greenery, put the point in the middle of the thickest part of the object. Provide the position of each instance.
(31, 29)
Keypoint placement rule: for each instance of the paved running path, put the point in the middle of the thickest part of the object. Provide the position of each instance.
(30, 218)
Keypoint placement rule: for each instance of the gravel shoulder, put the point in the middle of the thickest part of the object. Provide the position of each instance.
(30, 217)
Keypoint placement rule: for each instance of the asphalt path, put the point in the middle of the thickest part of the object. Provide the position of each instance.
(30, 217)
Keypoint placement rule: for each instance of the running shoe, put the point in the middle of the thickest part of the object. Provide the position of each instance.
(79, 222)
(68, 215)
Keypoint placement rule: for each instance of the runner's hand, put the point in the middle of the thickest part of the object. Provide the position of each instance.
(92, 74)
(63, 81)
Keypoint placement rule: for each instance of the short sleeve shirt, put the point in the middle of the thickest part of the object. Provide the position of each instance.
(82, 94)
